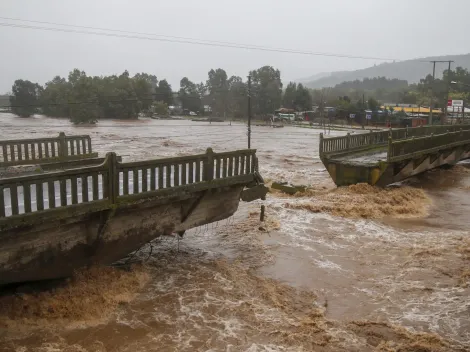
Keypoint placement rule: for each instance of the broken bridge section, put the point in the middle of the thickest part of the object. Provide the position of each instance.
(55, 222)
(384, 157)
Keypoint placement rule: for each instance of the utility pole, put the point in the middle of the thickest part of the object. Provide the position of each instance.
(448, 87)
(249, 112)
(364, 109)
(432, 86)
(432, 92)
(463, 111)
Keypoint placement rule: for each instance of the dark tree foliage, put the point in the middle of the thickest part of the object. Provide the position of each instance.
(266, 90)
(25, 98)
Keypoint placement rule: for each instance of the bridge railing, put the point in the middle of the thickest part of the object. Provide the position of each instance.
(113, 182)
(411, 147)
(363, 140)
(428, 130)
(352, 142)
(36, 193)
(38, 150)
(141, 177)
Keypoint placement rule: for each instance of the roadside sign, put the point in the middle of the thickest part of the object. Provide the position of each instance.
(457, 103)
(369, 117)
(352, 116)
(449, 102)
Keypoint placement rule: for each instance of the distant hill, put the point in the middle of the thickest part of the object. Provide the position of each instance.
(410, 70)
(314, 77)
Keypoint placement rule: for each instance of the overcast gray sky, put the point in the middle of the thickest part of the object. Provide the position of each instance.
(400, 29)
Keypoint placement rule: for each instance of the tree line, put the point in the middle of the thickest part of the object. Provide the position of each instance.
(354, 96)
(86, 99)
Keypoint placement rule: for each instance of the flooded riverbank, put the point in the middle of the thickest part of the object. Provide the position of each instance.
(351, 269)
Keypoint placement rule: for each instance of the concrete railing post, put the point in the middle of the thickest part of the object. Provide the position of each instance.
(320, 152)
(112, 183)
(209, 165)
(89, 146)
(371, 137)
(390, 148)
(348, 141)
(63, 150)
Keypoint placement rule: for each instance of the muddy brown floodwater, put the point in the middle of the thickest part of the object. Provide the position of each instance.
(350, 269)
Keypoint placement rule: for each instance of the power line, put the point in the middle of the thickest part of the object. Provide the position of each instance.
(156, 37)
(131, 32)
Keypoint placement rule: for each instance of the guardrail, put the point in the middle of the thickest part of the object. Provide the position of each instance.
(39, 150)
(112, 182)
(411, 147)
(350, 143)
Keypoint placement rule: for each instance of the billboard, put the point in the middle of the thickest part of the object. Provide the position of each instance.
(458, 103)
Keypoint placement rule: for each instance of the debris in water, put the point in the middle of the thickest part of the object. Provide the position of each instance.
(90, 294)
(288, 188)
(366, 201)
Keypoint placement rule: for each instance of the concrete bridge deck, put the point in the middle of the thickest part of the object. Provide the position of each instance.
(384, 157)
(55, 222)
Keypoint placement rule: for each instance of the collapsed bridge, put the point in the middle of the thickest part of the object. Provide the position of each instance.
(54, 222)
(384, 157)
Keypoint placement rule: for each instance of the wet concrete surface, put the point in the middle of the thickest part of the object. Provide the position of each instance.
(370, 158)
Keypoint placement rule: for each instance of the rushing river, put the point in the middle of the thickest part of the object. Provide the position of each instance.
(351, 269)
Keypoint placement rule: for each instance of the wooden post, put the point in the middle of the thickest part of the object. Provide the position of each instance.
(63, 149)
(261, 215)
(209, 165)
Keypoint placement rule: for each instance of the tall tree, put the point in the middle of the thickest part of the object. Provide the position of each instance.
(145, 87)
(25, 98)
(55, 98)
(266, 90)
(164, 92)
(297, 97)
(237, 101)
(189, 95)
(290, 96)
(218, 88)
(118, 98)
(303, 98)
(84, 107)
